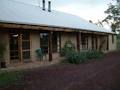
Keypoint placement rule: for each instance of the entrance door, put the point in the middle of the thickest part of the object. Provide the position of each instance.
(19, 47)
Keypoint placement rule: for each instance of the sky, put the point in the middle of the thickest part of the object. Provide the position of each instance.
(86, 9)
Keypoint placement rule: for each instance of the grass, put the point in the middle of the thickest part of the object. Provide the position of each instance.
(11, 78)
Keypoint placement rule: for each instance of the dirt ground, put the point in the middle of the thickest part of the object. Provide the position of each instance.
(98, 75)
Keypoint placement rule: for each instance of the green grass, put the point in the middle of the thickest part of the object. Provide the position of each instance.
(11, 78)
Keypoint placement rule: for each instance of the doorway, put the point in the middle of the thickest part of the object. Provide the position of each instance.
(19, 47)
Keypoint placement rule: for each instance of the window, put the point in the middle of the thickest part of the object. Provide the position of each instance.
(44, 42)
(54, 41)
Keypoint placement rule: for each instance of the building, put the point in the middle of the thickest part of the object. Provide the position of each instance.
(24, 28)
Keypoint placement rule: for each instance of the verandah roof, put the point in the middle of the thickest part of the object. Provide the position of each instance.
(16, 12)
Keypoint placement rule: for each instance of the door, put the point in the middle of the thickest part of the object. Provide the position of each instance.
(19, 47)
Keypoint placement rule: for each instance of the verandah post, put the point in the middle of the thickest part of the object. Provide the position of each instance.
(50, 46)
(78, 40)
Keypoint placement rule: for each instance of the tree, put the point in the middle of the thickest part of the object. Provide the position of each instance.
(113, 16)
(99, 23)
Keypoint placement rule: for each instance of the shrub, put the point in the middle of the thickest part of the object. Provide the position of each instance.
(93, 54)
(83, 56)
(77, 57)
(68, 48)
(72, 57)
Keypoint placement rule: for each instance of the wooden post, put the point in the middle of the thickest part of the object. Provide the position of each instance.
(78, 41)
(20, 48)
(107, 36)
(96, 41)
(92, 42)
(50, 46)
(60, 41)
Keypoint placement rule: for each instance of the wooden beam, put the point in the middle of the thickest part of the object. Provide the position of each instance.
(34, 27)
(50, 46)
(46, 27)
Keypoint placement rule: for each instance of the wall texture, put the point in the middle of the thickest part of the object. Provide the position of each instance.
(35, 44)
(4, 38)
(112, 44)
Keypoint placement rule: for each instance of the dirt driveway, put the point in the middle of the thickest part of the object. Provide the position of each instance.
(99, 75)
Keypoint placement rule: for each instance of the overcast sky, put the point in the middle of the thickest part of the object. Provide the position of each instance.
(87, 9)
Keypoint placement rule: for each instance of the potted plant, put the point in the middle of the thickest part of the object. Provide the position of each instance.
(2, 60)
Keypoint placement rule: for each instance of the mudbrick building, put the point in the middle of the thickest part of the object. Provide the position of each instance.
(25, 28)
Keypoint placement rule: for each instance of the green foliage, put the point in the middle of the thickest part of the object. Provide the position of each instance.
(10, 78)
(118, 42)
(68, 48)
(83, 57)
(94, 54)
(113, 16)
(75, 57)
(72, 57)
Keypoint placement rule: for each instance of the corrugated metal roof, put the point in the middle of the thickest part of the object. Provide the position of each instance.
(16, 12)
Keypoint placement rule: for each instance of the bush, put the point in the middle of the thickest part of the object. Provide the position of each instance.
(72, 57)
(93, 54)
(68, 48)
(76, 57)
(83, 57)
